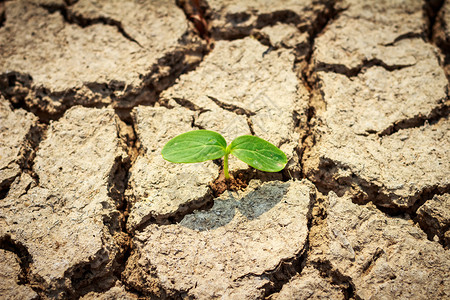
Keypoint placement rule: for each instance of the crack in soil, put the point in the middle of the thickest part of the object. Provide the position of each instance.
(363, 192)
(73, 18)
(406, 36)
(232, 107)
(318, 236)
(198, 13)
(323, 20)
(286, 268)
(368, 265)
(127, 133)
(431, 10)
(337, 278)
(189, 105)
(25, 259)
(2, 14)
(204, 202)
(262, 20)
(19, 90)
(438, 113)
(27, 153)
(427, 195)
(307, 75)
(353, 72)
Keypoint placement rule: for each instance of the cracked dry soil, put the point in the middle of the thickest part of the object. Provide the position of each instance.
(355, 92)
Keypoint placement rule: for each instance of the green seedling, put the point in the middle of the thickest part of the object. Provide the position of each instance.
(202, 145)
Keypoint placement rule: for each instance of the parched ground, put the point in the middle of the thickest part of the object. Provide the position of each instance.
(355, 92)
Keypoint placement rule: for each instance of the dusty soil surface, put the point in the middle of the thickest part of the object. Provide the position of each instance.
(356, 93)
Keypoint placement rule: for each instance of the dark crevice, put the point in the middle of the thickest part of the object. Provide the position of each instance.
(83, 278)
(189, 105)
(48, 105)
(431, 10)
(33, 140)
(250, 126)
(337, 278)
(306, 72)
(308, 139)
(431, 231)
(25, 259)
(352, 72)
(194, 124)
(27, 154)
(318, 238)
(231, 107)
(324, 18)
(70, 2)
(420, 120)
(127, 133)
(203, 203)
(83, 22)
(281, 16)
(2, 14)
(437, 30)
(197, 12)
(284, 272)
(240, 28)
(406, 36)
(428, 194)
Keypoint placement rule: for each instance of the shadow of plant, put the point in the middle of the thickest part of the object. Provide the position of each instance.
(251, 205)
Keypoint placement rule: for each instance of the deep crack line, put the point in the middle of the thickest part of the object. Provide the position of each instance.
(353, 72)
(84, 22)
(2, 14)
(431, 10)
(420, 120)
(232, 107)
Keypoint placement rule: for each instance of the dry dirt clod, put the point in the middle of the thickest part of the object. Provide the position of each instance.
(92, 53)
(229, 251)
(65, 217)
(385, 257)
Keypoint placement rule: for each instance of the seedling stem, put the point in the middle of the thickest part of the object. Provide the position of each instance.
(225, 167)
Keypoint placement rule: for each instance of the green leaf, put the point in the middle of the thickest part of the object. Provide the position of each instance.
(258, 153)
(195, 146)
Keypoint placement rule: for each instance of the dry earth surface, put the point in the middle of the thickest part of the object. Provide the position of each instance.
(356, 93)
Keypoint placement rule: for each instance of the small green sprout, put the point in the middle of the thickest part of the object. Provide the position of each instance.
(202, 145)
